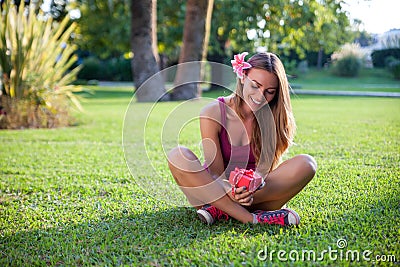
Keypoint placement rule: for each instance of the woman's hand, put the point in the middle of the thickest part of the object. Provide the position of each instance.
(242, 196)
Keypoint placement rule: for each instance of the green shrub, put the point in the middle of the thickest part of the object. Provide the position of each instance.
(393, 64)
(290, 66)
(347, 61)
(379, 56)
(35, 61)
(92, 69)
(348, 66)
(121, 69)
(114, 69)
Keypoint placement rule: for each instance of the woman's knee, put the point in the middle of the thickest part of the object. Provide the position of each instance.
(182, 158)
(308, 164)
(181, 153)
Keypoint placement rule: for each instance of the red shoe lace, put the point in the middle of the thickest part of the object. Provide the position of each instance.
(217, 213)
(271, 218)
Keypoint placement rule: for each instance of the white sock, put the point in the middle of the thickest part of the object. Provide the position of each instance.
(255, 221)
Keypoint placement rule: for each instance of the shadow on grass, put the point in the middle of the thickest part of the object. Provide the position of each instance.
(129, 239)
(154, 238)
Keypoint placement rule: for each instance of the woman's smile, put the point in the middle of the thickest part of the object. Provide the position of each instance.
(255, 101)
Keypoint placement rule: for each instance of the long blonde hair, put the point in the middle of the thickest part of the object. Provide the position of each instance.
(268, 158)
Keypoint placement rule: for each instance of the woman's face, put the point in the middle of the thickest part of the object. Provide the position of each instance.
(259, 88)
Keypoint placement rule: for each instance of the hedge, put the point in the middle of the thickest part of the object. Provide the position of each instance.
(379, 56)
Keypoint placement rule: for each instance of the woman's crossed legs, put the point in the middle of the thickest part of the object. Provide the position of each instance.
(282, 184)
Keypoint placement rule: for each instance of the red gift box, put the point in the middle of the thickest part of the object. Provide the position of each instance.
(242, 177)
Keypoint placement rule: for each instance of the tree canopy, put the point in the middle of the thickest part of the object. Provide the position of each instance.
(280, 26)
(285, 27)
(104, 27)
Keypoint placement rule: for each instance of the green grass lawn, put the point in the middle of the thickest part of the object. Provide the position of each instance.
(377, 80)
(68, 198)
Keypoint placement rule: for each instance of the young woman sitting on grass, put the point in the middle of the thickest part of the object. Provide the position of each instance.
(251, 129)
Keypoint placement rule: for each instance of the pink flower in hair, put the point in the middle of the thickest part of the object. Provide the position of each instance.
(239, 64)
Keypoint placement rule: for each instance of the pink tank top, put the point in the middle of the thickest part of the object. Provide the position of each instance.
(233, 156)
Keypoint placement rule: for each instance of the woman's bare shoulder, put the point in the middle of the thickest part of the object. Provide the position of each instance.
(211, 110)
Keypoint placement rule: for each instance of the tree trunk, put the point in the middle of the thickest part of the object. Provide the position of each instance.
(188, 76)
(154, 32)
(217, 71)
(144, 64)
(319, 61)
